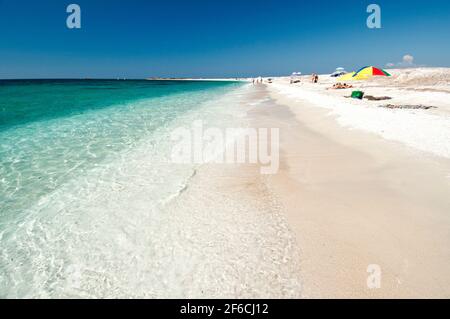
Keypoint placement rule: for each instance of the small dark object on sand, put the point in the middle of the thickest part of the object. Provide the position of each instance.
(409, 107)
(377, 98)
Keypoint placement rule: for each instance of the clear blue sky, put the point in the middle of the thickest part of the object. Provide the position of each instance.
(138, 38)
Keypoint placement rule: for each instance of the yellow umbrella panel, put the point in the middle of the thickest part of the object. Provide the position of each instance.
(346, 77)
(360, 77)
(352, 76)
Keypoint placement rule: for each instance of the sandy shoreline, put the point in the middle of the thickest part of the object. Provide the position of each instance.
(234, 222)
(354, 199)
(344, 198)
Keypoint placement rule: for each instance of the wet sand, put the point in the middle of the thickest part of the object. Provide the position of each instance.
(354, 199)
(237, 243)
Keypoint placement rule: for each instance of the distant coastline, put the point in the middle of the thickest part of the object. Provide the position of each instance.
(129, 79)
(196, 79)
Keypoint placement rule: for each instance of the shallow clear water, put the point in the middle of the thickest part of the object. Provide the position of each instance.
(64, 142)
(52, 130)
(92, 207)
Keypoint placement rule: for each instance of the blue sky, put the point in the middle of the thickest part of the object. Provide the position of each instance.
(212, 38)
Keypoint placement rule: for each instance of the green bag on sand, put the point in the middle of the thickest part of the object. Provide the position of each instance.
(357, 95)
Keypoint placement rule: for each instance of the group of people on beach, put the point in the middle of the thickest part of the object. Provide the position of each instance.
(257, 80)
(314, 79)
(339, 86)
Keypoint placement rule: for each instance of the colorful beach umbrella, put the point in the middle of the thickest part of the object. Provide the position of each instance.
(369, 71)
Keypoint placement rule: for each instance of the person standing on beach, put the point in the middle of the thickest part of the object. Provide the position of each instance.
(315, 78)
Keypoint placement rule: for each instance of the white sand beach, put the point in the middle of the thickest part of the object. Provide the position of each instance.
(358, 186)
(365, 185)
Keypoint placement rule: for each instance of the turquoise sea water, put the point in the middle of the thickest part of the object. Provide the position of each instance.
(62, 141)
(49, 129)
